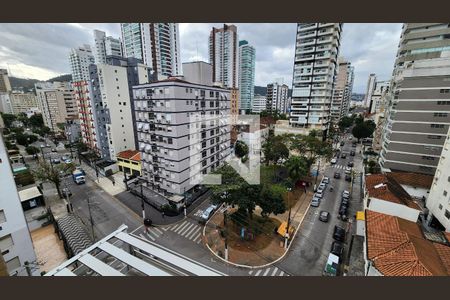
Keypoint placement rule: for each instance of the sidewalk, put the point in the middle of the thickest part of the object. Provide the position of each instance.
(104, 182)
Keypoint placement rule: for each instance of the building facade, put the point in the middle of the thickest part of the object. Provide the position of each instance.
(369, 90)
(277, 97)
(247, 58)
(378, 96)
(259, 104)
(183, 133)
(16, 245)
(315, 69)
(418, 116)
(224, 55)
(129, 162)
(23, 102)
(438, 201)
(156, 44)
(342, 93)
(5, 103)
(5, 84)
(56, 102)
(105, 46)
(86, 113)
(80, 58)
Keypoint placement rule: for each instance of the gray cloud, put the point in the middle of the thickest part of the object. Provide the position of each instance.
(41, 50)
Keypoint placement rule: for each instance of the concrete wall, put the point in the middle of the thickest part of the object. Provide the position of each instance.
(393, 209)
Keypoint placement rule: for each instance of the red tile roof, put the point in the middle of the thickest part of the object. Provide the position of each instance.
(397, 247)
(390, 191)
(413, 179)
(130, 154)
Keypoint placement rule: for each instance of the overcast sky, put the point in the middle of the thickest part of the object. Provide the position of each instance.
(41, 50)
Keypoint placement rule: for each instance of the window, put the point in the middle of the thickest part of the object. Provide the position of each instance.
(447, 214)
(440, 206)
(3, 217)
(169, 140)
(444, 91)
(187, 101)
(6, 242)
(211, 93)
(13, 263)
(434, 137)
(441, 115)
(437, 125)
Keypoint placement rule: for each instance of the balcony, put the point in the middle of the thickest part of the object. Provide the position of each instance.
(304, 57)
(305, 35)
(324, 40)
(305, 50)
(307, 26)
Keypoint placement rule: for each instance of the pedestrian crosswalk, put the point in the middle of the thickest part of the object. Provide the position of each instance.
(188, 229)
(270, 271)
(338, 166)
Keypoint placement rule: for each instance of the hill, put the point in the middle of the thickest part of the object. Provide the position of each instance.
(27, 84)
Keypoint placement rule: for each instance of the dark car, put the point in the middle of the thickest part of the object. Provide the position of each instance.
(324, 215)
(350, 164)
(54, 150)
(354, 143)
(342, 143)
(337, 175)
(339, 234)
(337, 249)
(348, 177)
(352, 153)
(66, 192)
(344, 155)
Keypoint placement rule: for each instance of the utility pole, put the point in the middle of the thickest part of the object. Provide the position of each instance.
(143, 204)
(225, 233)
(184, 194)
(317, 175)
(91, 219)
(286, 236)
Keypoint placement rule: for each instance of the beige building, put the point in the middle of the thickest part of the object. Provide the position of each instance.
(23, 102)
(56, 102)
(5, 85)
(342, 93)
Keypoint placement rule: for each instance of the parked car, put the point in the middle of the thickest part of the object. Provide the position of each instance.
(350, 164)
(333, 161)
(64, 157)
(207, 213)
(54, 150)
(324, 216)
(354, 143)
(344, 155)
(344, 201)
(318, 195)
(339, 234)
(350, 138)
(346, 194)
(348, 177)
(67, 161)
(55, 161)
(66, 192)
(326, 180)
(323, 186)
(352, 153)
(337, 175)
(348, 170)
(315, 202)
(337, 249)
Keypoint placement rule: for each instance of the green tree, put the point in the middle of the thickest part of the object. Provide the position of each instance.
(25, 139)
(241, 149)
(22, 117)
(345, 122)
(36, 121)
(46, 172)
(32, 150)
(297, 167)
(275, 149)
(271, 200)
(362, 130)
(8, 119)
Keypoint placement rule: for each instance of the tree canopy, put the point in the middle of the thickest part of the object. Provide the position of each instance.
(240, 149)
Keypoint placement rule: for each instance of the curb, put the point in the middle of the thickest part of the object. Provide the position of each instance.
(261, 266)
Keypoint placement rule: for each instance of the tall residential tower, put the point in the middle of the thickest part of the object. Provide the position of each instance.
(247, 59)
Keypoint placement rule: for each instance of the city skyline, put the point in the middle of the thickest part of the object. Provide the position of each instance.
(370, 47)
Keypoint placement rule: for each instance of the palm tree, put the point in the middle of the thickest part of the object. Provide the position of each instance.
(296, 167)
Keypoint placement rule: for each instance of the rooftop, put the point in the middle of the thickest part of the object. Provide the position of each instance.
(130, 154)
(397, 247)
(413, 179)
(386, 188)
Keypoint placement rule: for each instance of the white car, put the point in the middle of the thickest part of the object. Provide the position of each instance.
(333, 161)
(326, 180)
(346, 193)
(318, 194)
(207, 213)
(315, 202)
(348, 170)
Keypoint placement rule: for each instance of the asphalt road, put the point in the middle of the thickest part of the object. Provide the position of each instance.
(311, 246)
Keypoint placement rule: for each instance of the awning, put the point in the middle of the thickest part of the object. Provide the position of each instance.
(29, 194)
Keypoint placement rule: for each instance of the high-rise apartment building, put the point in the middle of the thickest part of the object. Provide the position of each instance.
(23, 102)
(224, 55)
(315, 69)
(419, 112)
(183, 131)
(56, 102)
(16, 245)
(277, 97)
(105, 46)
(342, 92)
(259, 104)
(438, 201)
(156, 44)
(5, 85)
(5, 103)
(80, 58)
(371, 82)
(247, 58)
(378, 96)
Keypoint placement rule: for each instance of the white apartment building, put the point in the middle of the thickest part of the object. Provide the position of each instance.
(113, 112)
(259, 104)
(5, 103)
(224, 55)
(378, 96)
(105, 46)
(23, 102)
(183, 131)
(16, 245)
(342, 92)
(277, 97)
(56, 102)
(315, 69)
(371, 82)
(438, 201)
(156, 44)
(80, 58)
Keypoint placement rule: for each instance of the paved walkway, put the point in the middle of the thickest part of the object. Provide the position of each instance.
(106, 183)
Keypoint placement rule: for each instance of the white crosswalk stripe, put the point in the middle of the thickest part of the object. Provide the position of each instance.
(282, 273)
(156, 229)
(250, 272)
(166, 228)
(266, 272)
(274, 271)
(182, 232)
(187, 233)
(190, 236)
(176, 226)
(197, 237)
(150, 231)
(257, 273)
(184, 224)
(150, 236)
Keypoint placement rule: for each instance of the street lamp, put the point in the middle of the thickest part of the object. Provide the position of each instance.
(286, 236)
